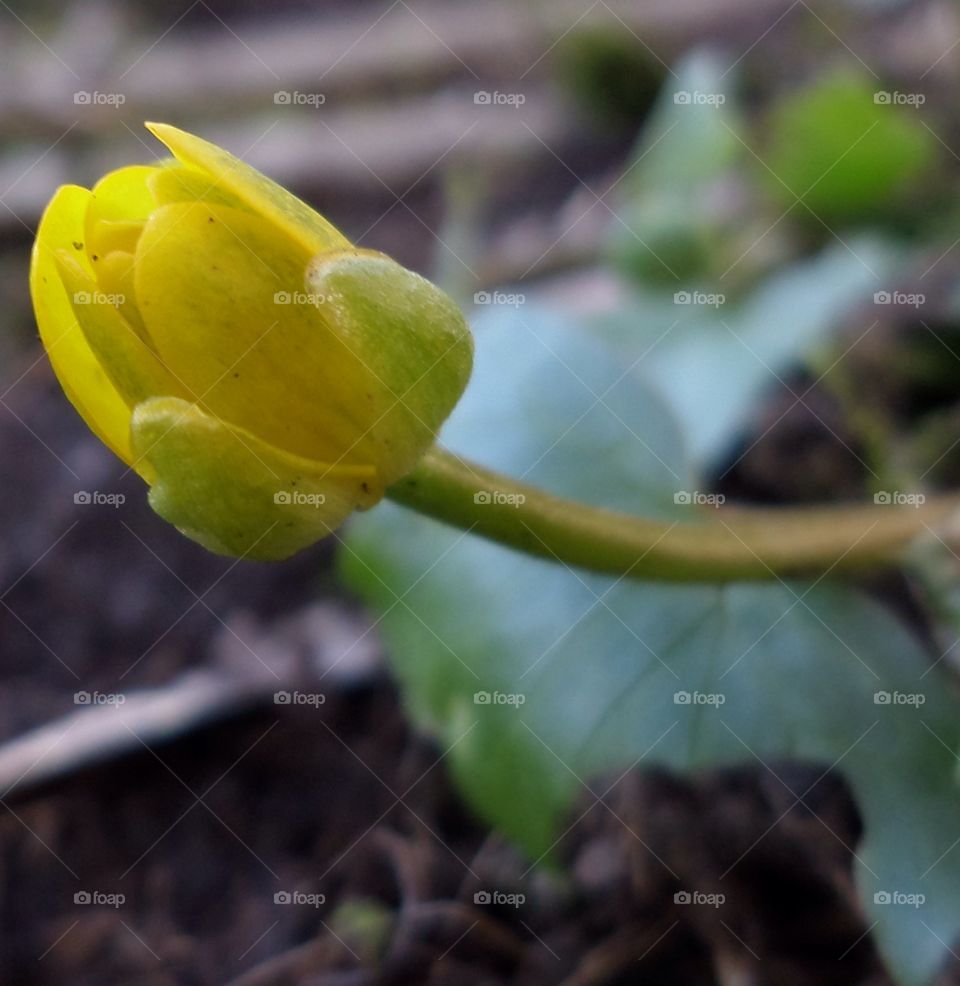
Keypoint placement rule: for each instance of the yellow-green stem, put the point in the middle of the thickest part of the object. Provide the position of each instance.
(722, 544)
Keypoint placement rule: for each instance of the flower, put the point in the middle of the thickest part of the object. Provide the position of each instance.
(264, 376)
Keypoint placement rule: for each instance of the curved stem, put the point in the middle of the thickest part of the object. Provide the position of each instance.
(722, 544)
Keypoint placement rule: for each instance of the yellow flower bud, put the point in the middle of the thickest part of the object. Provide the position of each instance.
(263, 375)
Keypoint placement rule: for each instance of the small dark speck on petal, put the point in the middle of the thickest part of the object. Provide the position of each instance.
(94, 257)
(364, 487)
(210, 219)
(77, 245)
(236, 376)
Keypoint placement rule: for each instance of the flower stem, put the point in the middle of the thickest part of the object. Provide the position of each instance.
(722, 544)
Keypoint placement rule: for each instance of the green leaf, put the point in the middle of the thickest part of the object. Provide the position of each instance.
(712, 362)
(583, 672)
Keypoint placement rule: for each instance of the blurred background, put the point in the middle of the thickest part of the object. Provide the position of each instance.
(647, 165)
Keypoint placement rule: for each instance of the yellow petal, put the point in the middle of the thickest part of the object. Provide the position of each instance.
(131, 365)
(120, 197)
(80, 374)
(115, 276)
(234, 494)
(176, 183)
(115, 235)
(273, 201)
(222, 295)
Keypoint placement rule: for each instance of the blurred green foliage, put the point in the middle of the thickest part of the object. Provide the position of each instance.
(682, 198)
(610, 73)
(846, 149)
